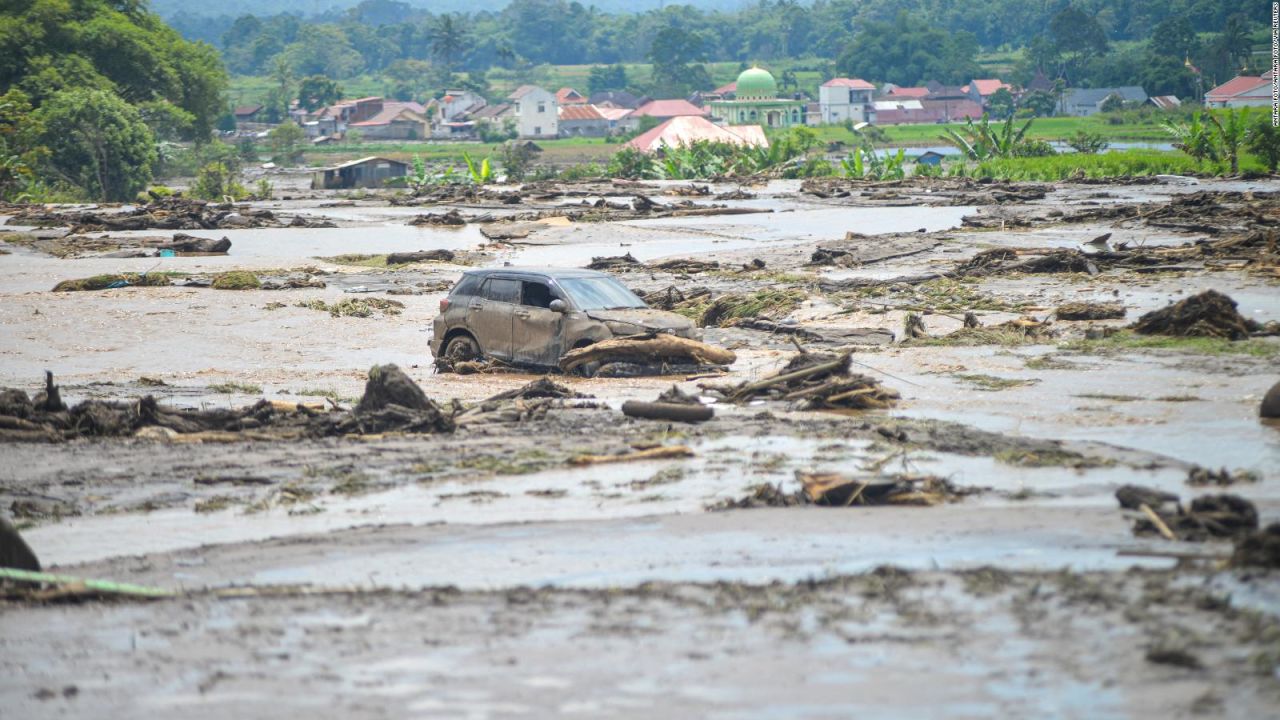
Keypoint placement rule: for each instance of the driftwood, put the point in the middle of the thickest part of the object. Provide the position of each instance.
(657, 453)
(648, 349)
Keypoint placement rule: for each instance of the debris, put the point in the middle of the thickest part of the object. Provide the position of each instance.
(1221, 516)
(1178, 657)
(647, 350)
(355, 307)
(772, 304)
(663, 452)
(1209, 314)
(1090, 311)
(1258, 549)
(66, 587)
(451, 218)
(404, 258)
(818, 381)
(913, 326)
(672, 405)
(508, 230)
(1270, 407)
(687, 267)
(185, 243)
(540, 388)
(834, 489)
(170, 213)
(1224, 477)
(14, 551)
(382, 410)
(615, 263)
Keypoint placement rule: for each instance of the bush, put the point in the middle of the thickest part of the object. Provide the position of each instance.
(1087, 143)
(216, 181)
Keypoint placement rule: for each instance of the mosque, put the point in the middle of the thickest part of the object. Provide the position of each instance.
(756, 102)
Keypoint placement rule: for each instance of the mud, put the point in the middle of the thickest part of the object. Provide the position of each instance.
(988, 469)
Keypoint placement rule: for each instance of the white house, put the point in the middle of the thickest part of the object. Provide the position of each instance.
(537, 112)
(1241, 91)
(841, 99)
(1082, 102)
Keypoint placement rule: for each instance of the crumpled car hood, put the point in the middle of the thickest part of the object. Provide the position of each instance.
(645, 317)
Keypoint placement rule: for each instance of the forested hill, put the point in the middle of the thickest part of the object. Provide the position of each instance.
(392, 10)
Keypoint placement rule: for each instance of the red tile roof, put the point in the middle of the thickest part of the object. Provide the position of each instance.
(1236, 86)
(668, 109)
(580, 112)
(684, 130)
(854, 83)
(726, 89)
(989, 86)
(569, 96)
(390, 111)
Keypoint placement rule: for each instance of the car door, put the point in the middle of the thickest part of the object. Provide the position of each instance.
(535, 330)
(489, 315)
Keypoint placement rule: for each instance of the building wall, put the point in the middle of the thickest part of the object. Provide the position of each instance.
(584, 128)
(537, 115)
(769, 114)
(837, 104)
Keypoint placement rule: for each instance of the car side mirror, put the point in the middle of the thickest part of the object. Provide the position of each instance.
(559, 306)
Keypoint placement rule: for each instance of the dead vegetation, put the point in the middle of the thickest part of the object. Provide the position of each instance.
(1209, 516)
(364, 307)
(813, 380)
(838, 490)
(1090, 311)
(172, 213)
(1209, 314)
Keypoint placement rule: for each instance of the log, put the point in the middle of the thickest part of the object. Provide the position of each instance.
(678, 412)
(1157, 521)
(647, 349)
(658, 453)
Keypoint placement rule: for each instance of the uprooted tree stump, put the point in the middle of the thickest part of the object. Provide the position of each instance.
(1209, 314)
(817, 381)
(647, 350)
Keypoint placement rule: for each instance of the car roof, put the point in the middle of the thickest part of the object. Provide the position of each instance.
(554, 273)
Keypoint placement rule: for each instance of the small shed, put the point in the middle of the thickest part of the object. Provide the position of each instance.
(929, 157)
(363, 173)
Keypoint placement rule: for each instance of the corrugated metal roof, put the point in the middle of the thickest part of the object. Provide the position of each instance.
(391, 111)
(362, 161)
(988, 86)
(1236, 86)
(909, 92)
(687, 129)
(580, 112)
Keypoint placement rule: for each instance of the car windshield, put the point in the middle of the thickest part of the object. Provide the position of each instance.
(600, 293)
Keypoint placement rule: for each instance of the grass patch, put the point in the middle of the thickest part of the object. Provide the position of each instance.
(1049, 361)
(1108, 396)
(1119, 163)
(215, 504)
(1127, 341)
(991, 383)
(355, 307)
(104, 282)
(236, 280)
(969, 337)
(316, 392)
(236, 387)
(524, 463)
(941, 295)
(359, 260)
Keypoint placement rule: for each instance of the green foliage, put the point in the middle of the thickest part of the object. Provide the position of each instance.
(516, 157)
(607, 77)
(1087, 143)
(983, 141)
(20, 151)
(1127, 163)
(1263, 140)
(1213, 137)
(217, 181)
(675, 54)
(1001, 103)
(97, 142)
(236, 280)
(908, 51)
(866, 163)
(480, 173)
(1039, 103)
(317, 91)
(285, 140)
(1229, 134)
(631, 164)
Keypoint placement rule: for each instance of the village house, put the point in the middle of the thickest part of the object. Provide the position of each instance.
(1082, 102)
(536, 112)
(980, 91)
(895, 92)
(616, 99)
(666, 109)
(248, 114)
(1166, 102)
(581, 120)
(841, 99)
(367, 172)
(455, 105)
(756, 102)
(395, 121)
(685, 130)
(569, 96)
(1241, 91)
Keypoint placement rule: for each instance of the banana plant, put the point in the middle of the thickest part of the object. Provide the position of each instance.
(480, 173)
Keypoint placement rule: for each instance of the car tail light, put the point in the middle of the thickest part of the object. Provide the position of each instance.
(444, 304)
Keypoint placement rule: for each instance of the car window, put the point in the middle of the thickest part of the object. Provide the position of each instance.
(600, 293)
(537, 294)
(501, 290)
(468, 285)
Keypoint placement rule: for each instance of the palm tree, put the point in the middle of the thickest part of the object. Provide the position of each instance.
(982, 141)
(448, 37)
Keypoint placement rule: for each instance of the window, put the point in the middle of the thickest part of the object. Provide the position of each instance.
(501, 290)
(542, 107)
(537, 130)
(537, 294)
(600, 293)
(467, 286)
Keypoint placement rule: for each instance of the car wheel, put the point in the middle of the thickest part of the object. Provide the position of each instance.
(462, 347)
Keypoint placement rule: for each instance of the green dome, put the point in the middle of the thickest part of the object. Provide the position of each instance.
(756, 84)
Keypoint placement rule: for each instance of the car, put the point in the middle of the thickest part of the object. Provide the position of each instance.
(528, 316)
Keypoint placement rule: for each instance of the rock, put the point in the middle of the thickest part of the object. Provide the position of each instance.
(1271, 403)
(1258, 549)
(389, 385)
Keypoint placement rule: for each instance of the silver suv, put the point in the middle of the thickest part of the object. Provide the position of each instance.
(533, 316)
